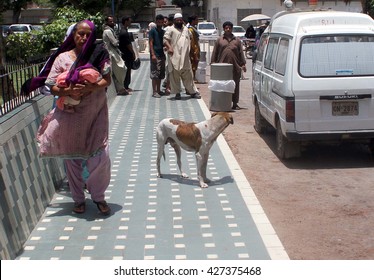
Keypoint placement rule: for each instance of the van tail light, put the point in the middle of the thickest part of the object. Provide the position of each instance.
(290, 110)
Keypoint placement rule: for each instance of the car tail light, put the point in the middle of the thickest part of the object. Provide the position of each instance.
(290, 110)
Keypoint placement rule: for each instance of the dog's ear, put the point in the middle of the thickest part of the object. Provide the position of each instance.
(213, 114)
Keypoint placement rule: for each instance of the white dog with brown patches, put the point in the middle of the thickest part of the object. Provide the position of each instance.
(192, 137)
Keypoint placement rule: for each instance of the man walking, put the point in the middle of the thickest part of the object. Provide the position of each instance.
(229, 49)
(156, 50)
(118, 65)
(177, 40)
(125, 46)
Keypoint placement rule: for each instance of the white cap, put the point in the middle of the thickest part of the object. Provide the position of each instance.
(178, 15)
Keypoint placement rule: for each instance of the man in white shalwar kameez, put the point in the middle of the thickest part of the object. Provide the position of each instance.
(177, 40)
(118, 65)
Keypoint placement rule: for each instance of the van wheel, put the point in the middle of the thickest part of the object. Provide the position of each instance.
(260, 122)
(284, 148)
(280, 141)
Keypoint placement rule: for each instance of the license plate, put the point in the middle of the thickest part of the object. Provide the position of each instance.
(344, 108)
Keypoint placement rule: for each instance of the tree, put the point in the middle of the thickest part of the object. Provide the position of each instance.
(90, 6)
(54, 33)
(182, 3)
(16, 6)
(368, 7)
(26, 45)
(136, 6)
(44, 3)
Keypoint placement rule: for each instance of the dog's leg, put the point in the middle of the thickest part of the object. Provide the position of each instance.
(204, 164)
(178, 153)
(200, 170)
(160, 152)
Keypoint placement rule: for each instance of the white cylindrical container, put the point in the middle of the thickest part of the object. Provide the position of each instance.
(201, 72)
(203, 56)
(220, 100)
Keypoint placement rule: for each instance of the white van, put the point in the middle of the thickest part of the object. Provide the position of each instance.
(313, 79)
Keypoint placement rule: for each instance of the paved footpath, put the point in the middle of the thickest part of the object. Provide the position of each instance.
(167, 218)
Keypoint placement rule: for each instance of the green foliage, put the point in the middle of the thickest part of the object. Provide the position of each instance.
(44, 3)
(53, 34)
(90, 6)
(72, 15)
(26, 45)
(23, 47)
(136, 6)
(370, 5)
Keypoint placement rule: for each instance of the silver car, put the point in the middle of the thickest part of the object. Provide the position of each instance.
(135, 29)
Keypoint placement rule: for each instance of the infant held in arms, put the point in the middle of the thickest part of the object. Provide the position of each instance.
(87, 75)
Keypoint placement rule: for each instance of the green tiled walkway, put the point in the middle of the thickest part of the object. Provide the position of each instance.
(152, 218)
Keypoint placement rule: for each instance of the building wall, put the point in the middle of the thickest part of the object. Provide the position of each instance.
(33, 16)
(220, 11)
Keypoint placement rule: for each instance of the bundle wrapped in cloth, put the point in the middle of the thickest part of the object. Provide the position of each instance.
(86, 75)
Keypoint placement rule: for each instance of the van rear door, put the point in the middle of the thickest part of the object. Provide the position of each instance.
(334, 88)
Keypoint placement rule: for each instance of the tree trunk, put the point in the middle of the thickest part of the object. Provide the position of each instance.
(16, 15)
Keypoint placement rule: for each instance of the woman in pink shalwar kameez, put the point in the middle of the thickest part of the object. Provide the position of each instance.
(83, 134)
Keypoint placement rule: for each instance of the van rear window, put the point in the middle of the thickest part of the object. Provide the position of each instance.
(331, 56)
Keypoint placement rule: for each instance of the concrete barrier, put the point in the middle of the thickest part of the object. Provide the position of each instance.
(27, 183)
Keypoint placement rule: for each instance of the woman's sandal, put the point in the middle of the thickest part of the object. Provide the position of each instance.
(103, 207)
(79, 207)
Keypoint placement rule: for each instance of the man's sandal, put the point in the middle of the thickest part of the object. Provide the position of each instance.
(79, 207)
(103, 207)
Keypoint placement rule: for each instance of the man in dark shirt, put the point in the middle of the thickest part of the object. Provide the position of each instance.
(128, 55)
(156, 50)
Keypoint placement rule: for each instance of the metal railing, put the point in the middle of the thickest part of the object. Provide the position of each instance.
(12, 77)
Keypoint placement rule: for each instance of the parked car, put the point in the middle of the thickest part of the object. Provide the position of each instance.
(313, 79)
(207, 28)
(238, 31)
(20, 28)
(135, 29)
(37, 27)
